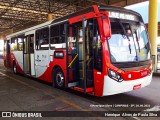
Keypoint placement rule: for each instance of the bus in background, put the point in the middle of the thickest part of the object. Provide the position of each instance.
(100, 50)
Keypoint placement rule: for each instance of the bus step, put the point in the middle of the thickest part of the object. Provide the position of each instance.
(73, 84)
(88, 90)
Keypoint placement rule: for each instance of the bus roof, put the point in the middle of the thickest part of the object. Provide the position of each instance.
(119, 9)
(65, 18)
(29, 29)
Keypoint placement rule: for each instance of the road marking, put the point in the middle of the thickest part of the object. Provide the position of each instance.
(45, 92)
(2, 69)
(2, 74)
(62, 108)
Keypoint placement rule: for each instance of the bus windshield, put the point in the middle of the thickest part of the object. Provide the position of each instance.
(129, 42)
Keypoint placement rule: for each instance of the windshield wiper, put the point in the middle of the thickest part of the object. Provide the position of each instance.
(129, 45)
(137, 40)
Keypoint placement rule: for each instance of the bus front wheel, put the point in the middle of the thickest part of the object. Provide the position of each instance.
(58, 78)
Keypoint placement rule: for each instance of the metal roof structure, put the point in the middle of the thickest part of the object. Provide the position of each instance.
(17, 15)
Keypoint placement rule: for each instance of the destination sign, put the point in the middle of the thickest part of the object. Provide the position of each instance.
(122, 16)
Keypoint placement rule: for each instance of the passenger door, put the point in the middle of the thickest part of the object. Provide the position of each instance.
(80, 56)
(28, 55)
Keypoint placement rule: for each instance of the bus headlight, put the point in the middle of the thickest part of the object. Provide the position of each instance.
(114, 75)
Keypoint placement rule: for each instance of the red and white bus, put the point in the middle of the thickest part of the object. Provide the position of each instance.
(100, 50)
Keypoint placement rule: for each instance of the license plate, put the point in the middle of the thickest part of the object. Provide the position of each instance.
(135, 87)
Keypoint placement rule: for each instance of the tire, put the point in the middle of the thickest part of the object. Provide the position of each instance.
(14, 68)
(58, 78)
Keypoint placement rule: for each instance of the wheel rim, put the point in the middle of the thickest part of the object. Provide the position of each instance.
(59, 79)
(14, 68)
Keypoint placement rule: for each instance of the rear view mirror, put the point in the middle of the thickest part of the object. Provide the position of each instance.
(106, 27)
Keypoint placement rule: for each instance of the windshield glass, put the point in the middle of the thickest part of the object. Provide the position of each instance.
(129, 42)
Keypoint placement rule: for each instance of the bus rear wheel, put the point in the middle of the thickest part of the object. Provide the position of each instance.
(14, 68)
(58, 78)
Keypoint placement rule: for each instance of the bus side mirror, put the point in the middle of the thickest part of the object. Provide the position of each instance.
(106, 27)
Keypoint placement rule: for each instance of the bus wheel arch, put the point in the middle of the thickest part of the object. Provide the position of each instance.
(58, 79)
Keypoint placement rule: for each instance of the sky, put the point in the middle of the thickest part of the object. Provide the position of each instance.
(142, 8)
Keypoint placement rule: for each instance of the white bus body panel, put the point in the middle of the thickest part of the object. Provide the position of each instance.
(113, 87)
(42, 60)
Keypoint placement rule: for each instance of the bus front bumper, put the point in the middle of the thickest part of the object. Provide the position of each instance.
(112, 87)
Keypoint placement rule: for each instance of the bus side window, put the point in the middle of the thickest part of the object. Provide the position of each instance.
(61, 34)
(37, 39)
(8, 47)
(42, 39)
(20, 43)
(14, 44)
(57, 36)
(32, 44)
